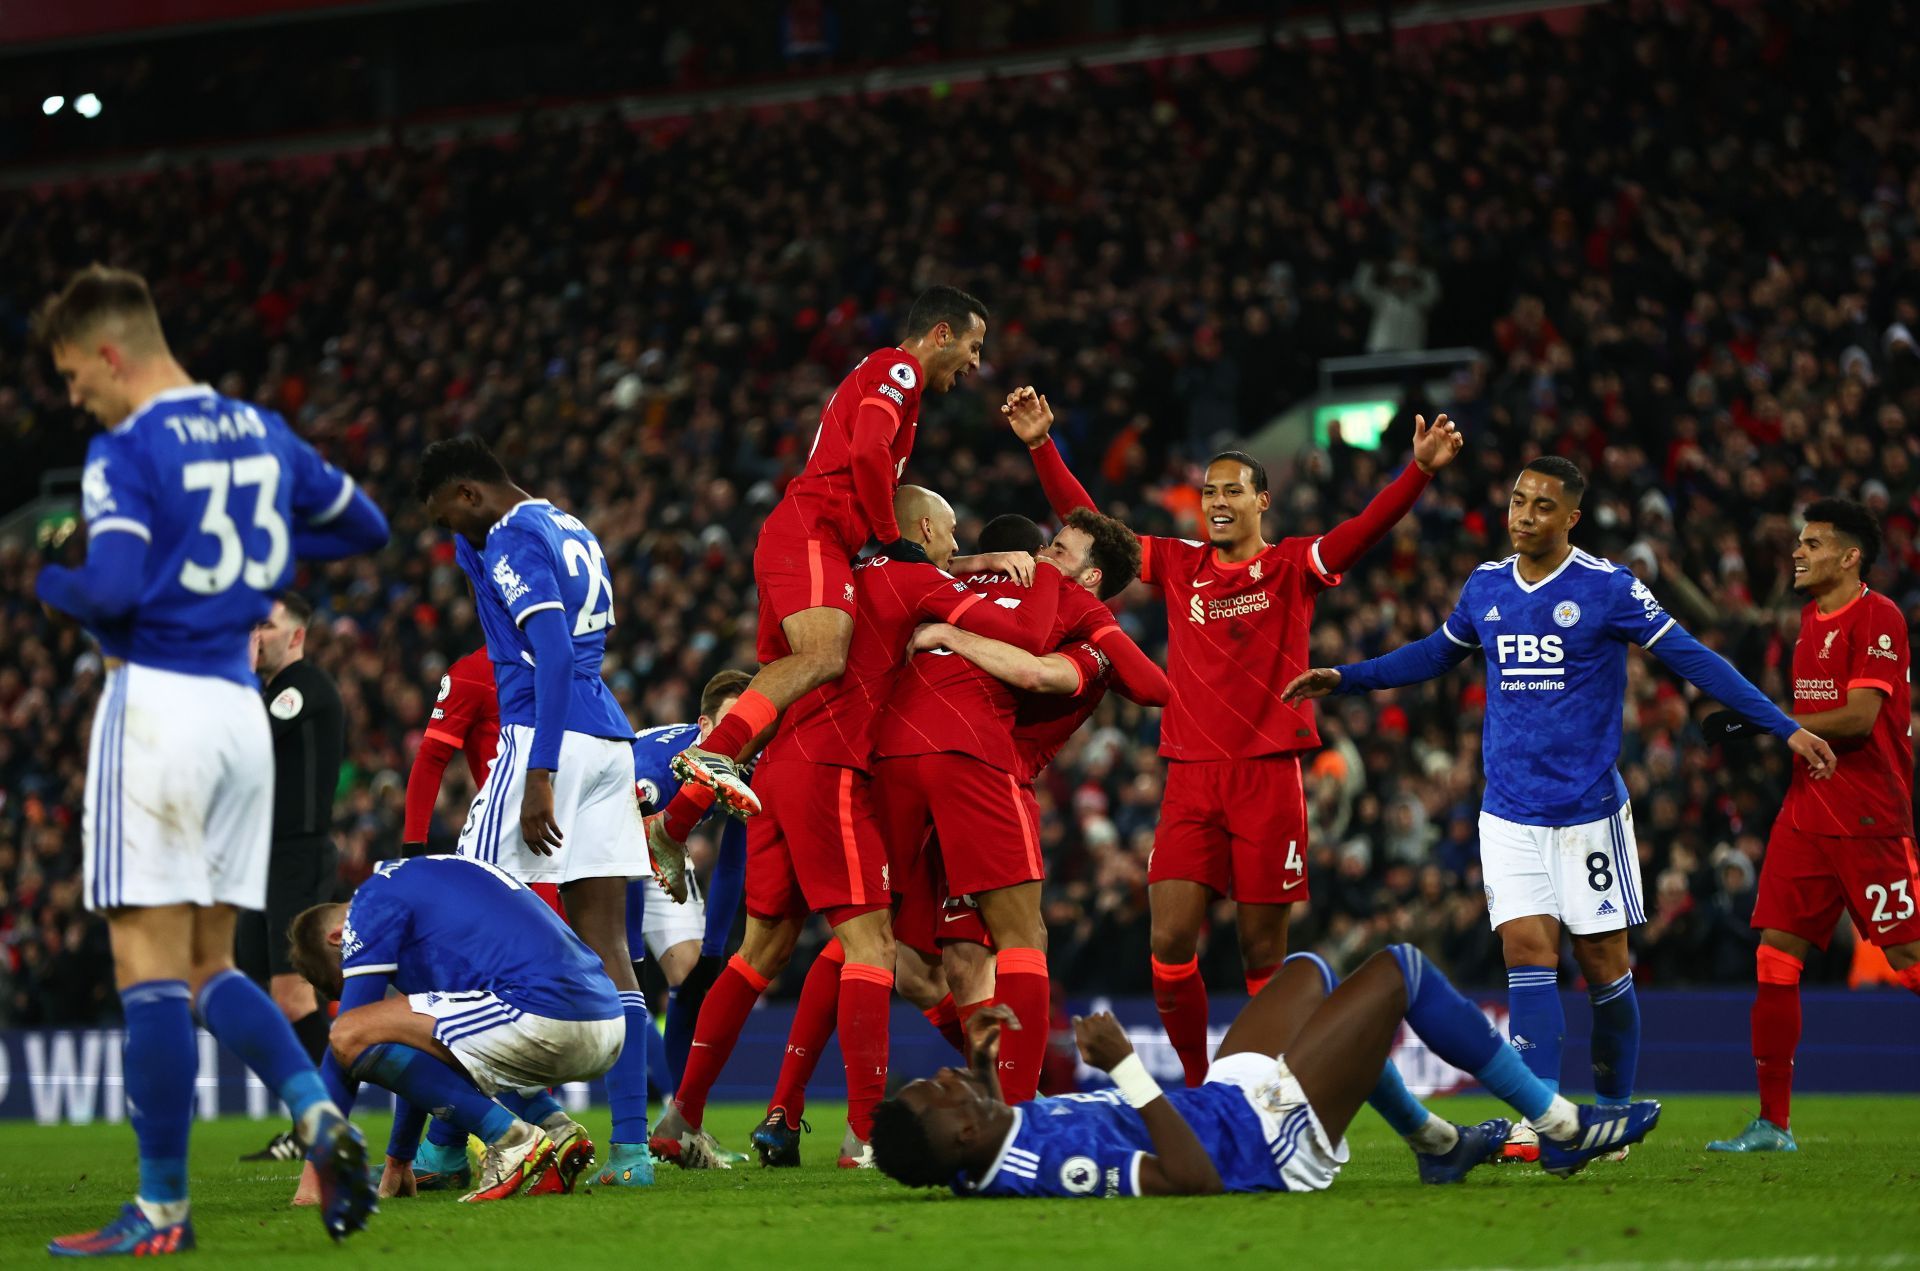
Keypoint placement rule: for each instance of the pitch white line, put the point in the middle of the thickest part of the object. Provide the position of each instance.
(1812, 1262)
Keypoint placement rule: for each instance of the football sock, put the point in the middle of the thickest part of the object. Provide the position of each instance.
(627, 1079)
(1396, 1104)
(659, 1070)
(247, 1022)
(1180, 995)
(311, 1029)
(685, 809)
(1454, 1029)
(966, 1011)
(750, 713)
(409, 1122)
(1257, 979)
(945, 1018)
(1776, 1030)
(161, 1062)
(420, 1078)
(813, 1024)
(683, 1011)
(1020, 982)
(866, 995)
(533, 1108)
(1536, 1021)
(718, 1028)
(444, 1133)
(1616, 1039)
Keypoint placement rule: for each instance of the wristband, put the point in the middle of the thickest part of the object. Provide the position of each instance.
(1135, 1084)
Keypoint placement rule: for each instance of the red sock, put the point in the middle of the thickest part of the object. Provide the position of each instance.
(550, 892)
(751, 713)
(685, 809)
(945, 1016)
(1776, 1030)
(966, 1010)
(1910, 978)
(866, 994)
(1257, 979)
(812, 1026)
(1020, 981)
(1181, 996)
(722, 1016)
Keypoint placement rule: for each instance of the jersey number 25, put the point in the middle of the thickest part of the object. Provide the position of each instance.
(588, 555)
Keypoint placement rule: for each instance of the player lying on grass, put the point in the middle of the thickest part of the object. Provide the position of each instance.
(1272, 1114)
(495, 996)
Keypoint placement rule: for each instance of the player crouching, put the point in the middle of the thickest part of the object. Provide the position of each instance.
(474, 1020)
(1272, 1114)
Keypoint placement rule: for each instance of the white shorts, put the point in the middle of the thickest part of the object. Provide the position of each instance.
(1307, 1161)
(593, 803)
(507, 1049)
(1587, 876)
(179, 805)
(664, 924)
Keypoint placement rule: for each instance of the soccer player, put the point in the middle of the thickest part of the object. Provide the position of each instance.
(465, 721)
(803, 560)
(816, 846)
(495, 996)
(1272, 1114)
(197, 506)
(1556, 830)
(1239, 610)
(557, 805)
(1844, 845)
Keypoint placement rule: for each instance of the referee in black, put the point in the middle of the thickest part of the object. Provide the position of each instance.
(309, 739)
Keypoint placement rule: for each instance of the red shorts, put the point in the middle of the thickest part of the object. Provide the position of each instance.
(988, 829)
(1238, 826)
(793, 574)
(815, 847)
(928, 917)
(1806, 879)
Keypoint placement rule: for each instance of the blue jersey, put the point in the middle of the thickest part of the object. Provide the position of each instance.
(217, 487)
(452, 924)
(1092, 1144)
(1556, 683)
(653, 751)
(538, 557)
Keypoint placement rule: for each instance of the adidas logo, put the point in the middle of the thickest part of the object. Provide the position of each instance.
(1606, 909)
(1493, 615)
(1604, 1133)
(1521, 1043)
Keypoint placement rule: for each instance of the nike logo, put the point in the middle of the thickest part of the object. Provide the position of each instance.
(1882, 928)
(950, 917)
(1207, 583)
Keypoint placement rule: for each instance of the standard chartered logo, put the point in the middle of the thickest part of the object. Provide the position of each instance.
(1196, 610)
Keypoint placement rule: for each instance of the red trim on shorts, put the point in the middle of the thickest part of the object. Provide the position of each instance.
(1029, 832)
(816, 576)
(849, 847)
(1882, 685)
(972, 598)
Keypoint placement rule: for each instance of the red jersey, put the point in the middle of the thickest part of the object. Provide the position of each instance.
(467, 716)
(1862, 644)
(823, 501)
(945, 703)
(834, 723)
(1042, 722)
(1235, 635)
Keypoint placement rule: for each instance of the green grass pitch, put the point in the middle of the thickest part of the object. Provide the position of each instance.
(1850, 1197)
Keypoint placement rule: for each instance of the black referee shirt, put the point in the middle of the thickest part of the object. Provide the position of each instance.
(309, 741)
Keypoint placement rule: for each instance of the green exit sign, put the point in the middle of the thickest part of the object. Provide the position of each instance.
(1361, 422)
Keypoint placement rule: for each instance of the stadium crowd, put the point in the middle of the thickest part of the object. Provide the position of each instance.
(1701, 287)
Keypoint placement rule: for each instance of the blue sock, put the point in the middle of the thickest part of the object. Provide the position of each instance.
(162, 1059)
(443, 1133)
(1616, 1039)
(1454, 1029)
(419, 1078)
(1396, 1104)
(532, 1108)
(248, 1023)
(660, 1073)
(1327, 979)
(627, 1079)
(1536, 1021)
(683, 1012)
(403, 1141)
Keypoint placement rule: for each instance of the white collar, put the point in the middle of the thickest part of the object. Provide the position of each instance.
(184, 393)
(1013, 1132)
(1526, 586)
(524, 503)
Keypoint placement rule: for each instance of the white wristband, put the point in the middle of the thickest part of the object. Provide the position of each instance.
(1134, 1083)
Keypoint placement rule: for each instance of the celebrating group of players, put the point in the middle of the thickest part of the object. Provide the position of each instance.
(905, 702)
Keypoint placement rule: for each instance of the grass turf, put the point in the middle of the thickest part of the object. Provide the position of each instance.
(1846, 1199)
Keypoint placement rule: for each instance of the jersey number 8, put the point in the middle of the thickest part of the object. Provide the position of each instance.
(217, 477)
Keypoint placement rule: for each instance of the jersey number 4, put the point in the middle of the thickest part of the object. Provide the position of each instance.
(589, 556)
(218, 478)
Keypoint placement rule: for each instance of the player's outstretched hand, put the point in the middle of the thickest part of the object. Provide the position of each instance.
(397, 1179)
(1819, 755)
(1030, 416)
(983, 1032)
(537, 826)
(1103, 1043)
(1015, 565)
(930, 635)
(1434, 447)
(1318, 682)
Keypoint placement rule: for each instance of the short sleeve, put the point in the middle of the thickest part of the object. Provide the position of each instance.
(456, 710)
(1459, 626)
(1878, 658)
(892, 381)
(1093, 666)
(1082, 617)
(520, 571)
(1314, 575)
(942, 597)
(114, 491)
(1633, 614)
(1158, 557)
(320, 492)
(376, 929)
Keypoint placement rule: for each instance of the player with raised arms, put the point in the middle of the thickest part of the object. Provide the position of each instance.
(197, 506)
(803, 558)
(1272, 1114)
(1556, 830)
(1847, 844)
(557, 806)
(1239, 612)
